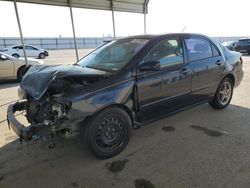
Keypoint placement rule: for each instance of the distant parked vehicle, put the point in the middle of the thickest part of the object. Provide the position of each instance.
(243, 46)
(31, 51)
(230, 45)
(13, 68)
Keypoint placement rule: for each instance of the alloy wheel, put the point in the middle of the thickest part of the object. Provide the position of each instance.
(225, 93)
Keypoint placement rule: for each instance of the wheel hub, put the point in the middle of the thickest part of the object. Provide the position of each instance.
(109, 132)
(225, 93)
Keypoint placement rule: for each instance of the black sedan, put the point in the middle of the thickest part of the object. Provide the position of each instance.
(122, 85)
(243, 46)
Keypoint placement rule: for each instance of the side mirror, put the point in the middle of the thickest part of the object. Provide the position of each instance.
(3, 57)
(150, 66)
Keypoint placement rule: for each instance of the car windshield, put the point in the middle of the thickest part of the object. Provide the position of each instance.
(114, 55)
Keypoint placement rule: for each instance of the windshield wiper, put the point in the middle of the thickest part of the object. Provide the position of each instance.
(105, 70)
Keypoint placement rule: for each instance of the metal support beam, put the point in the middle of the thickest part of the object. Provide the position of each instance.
(145, 11)
(145, 24)
(21, 33)
(113, 18)
(73, 29)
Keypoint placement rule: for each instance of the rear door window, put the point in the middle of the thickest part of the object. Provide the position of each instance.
(29, 48)
(198, 48)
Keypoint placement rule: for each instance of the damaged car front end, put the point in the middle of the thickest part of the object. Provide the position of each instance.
(46, 94)
(62, 99)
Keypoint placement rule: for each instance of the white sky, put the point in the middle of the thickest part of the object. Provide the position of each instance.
(211, 17)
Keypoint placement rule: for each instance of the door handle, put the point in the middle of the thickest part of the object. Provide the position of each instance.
(185, 71)
(218, 62)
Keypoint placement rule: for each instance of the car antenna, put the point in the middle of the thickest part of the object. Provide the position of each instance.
(184, 28)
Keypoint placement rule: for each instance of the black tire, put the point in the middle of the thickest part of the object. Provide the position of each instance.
(223, 98)
(16, 55)
(20, 73)
(42, 55)
(107, 133)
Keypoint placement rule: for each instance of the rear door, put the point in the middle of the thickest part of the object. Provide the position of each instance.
(166, 90)
(207, 65)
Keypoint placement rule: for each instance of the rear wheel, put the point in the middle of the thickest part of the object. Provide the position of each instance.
(223, 94)
(107, 133)
(42, 55)
(16, 55)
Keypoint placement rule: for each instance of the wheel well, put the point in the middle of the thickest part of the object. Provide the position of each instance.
(20, 69)
(231, 77)
(122, 106)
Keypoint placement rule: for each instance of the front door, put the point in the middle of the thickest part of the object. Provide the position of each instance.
(165, 90)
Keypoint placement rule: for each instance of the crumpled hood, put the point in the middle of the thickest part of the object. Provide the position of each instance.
(38, 78)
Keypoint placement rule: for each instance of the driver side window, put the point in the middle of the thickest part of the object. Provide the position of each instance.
(168, 52)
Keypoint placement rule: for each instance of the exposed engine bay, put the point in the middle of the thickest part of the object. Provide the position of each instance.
(48, 102)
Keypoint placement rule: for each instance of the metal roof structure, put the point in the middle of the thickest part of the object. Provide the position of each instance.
(136, 6)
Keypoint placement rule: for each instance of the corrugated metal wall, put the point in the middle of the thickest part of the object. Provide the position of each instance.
(224, 39)
(68, 43)
(53, 43)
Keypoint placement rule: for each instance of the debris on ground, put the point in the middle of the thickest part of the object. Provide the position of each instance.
(1, 177)
(74, 184)
(207, 131)
(116, 166)
(168, 128)
(143, 183)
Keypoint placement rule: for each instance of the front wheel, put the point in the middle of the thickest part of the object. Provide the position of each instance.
(223, 95)
(42, 55)
(107, 133)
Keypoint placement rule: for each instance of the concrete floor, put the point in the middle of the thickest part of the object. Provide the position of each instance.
(204, 148)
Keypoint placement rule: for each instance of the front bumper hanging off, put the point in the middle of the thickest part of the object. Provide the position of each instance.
(25, 133)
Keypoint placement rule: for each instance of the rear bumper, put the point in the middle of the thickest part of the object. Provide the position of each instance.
(238, 78)
(25, 133)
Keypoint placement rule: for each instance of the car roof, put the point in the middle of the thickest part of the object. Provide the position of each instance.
(246, 39)
(24, 45)
(163, 35)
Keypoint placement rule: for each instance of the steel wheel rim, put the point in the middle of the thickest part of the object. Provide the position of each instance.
(110, 134)
(225, 93)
